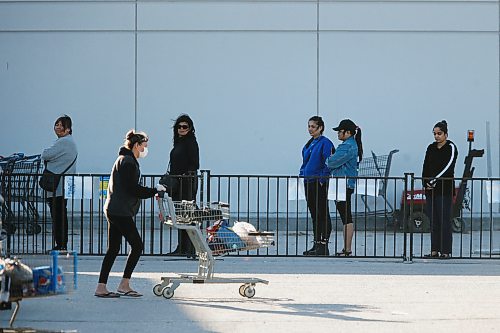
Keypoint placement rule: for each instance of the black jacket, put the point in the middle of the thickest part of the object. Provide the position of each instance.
(439, 163)
(185, 156)
(185, 160)
(124, 190)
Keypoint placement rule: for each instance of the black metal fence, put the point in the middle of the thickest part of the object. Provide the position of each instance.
(390, 219)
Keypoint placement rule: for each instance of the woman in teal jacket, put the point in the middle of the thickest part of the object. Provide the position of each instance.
(344, 163)
(316, 174)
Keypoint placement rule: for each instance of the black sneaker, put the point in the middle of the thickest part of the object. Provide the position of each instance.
(310, 251)
(322, 250)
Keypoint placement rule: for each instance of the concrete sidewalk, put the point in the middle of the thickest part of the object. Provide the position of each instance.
(304, 295)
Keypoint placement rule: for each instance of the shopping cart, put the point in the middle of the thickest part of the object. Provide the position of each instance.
(375, 168)
(36, 276)
(19, 187)
(186, 215)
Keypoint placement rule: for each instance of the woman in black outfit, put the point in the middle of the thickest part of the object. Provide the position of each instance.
(122, 204)
(437, 176)
(185, 162)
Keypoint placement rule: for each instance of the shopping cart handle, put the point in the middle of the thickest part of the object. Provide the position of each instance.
(220, 204)
(261, 233)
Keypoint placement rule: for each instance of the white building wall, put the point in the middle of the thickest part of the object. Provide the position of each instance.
(248, 74)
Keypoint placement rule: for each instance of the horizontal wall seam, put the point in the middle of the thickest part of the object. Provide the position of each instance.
(250, 31)
(256, 1)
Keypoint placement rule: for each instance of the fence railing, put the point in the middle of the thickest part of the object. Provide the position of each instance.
(389, 214)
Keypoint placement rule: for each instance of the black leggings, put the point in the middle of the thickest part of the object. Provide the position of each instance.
(344, 207)
(188, 186)
(317, 202)
(59, 213)
(118, 227)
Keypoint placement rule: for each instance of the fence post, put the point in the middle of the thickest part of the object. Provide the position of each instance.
(409, 189)
(202, 184)
(206, 198)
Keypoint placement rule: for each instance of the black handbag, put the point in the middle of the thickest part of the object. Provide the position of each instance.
(49, 180)
(171, 182)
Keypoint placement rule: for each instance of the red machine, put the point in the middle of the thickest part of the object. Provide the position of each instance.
(419, 221)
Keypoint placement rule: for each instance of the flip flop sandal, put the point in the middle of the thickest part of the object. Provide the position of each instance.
(108, 295)
(130, 293)
(343, 253)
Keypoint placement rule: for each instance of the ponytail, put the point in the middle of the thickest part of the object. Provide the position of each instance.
(132, 137)
(357, 137)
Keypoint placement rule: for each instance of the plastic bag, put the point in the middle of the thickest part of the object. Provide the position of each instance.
(222, 239)
(21, 279)
(242, 229)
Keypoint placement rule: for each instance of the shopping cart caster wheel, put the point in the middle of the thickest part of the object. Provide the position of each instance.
(158, 289)
(249, 292)
(242, 290)
(3, 234)
(33, 229)
(168, 293)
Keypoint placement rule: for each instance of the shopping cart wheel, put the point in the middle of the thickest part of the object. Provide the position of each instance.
(242, 290)
(249, 291)
(158, 289)
(419, 222)
(9, 227)
(3, 234)
(33, 229)
(168, 293)
(457, 224)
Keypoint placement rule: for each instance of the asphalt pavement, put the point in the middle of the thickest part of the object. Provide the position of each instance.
(303, 295)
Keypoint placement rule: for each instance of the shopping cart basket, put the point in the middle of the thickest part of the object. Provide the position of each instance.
(186, 215)
(375, 168)
(36, 276)
(19, 188)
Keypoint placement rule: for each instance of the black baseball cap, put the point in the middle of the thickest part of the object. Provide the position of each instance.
(346, 124)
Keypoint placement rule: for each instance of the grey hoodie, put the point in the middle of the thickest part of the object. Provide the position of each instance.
(58, 157)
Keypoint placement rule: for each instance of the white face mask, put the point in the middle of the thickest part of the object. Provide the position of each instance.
(144, 153)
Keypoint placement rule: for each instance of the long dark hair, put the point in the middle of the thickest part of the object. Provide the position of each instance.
(349, 126)
(357, 137)
(183, 118)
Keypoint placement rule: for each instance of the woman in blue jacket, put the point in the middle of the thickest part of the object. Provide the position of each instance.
(316, 174)
(344, 163)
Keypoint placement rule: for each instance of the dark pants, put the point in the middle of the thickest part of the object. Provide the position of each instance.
(317, 202)
(344, 207)
(188, 187)
(59, 213)
(438, 209)
(118, 227)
